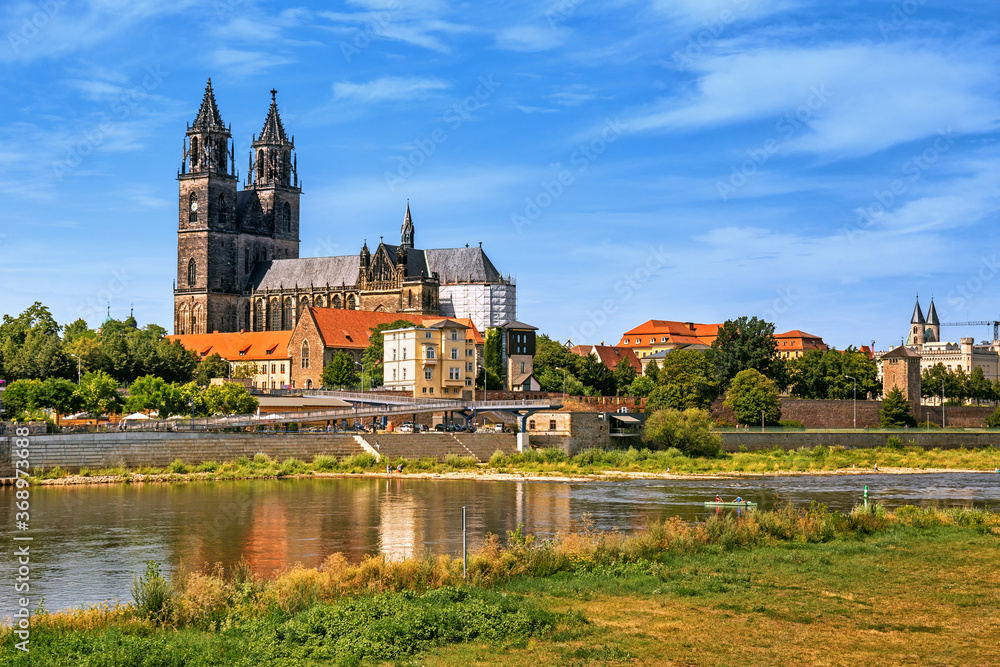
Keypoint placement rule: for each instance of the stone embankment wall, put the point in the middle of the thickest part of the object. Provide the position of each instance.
(103, 450)
(840, 414)
(732, 441)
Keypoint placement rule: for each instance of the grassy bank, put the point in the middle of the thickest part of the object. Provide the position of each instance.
(556, 462)
(786, 587)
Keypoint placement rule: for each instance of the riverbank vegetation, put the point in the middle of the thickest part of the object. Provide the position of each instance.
(553, 461)
(782, 587)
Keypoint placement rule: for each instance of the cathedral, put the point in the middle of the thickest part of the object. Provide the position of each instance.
(238, 265)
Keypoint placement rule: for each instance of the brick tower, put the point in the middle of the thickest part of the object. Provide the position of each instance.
(207, 289)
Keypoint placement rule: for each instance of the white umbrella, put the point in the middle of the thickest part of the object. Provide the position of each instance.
(136, 416)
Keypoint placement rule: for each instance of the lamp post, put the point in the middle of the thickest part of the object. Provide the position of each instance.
(78, 371)
(564, 381)
(855, 399)
(942, 402)
(362, 364)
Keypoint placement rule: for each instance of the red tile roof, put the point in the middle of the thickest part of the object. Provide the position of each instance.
(677, 333)
(347, 329)
(250, 345)
(799, 340)
(609, 355)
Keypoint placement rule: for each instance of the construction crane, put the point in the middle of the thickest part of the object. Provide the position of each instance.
(977, 323)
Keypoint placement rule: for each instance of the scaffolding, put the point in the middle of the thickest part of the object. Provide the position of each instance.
(486, 304)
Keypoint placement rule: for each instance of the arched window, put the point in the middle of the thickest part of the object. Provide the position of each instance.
(409, 297)
(275, 315)
(247, 322)
(192, 272)
(223, 157)
(193, 207)
(351, 303)
(260, 166)
(286, 216)
(336, 302)
(194, 153)
(223, 210)
(305, 354)
(287, 314)
(183, 323)
(258, 315)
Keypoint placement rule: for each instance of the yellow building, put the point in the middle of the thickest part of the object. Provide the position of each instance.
(438, 359)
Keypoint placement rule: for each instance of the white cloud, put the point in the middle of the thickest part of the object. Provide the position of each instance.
(241, 62)
(388, 88)
(854, 99)
(531, 38)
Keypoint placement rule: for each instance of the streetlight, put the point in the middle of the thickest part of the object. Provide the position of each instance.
(942, 401)
(78, 372)
(855, 399)
(362, 364)
(564, 381)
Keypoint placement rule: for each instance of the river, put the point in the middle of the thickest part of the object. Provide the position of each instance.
(89, 541)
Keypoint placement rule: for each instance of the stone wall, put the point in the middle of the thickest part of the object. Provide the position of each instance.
(101, 450)
(732, 441)
(840, 414)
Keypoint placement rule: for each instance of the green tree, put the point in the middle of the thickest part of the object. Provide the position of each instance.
(20, 397)
(625, 375)
(340, 371)
(244, 370)
(30, 346)
(212, 366)
(150, 393)
(58, 394)
(641, 387)
(493, 352)
(895, 410)
(980, 389)
(993, 420)
(653, 371)
(752, 396)
(745, 343)
(595, 376)
(824, 374)
(228, 398)
(98, 394)
(688, 380)
(689, 431)
(193, 403)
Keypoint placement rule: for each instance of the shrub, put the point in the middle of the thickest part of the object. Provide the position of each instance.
(153, 594)
(929, 424)
(791, 423)
(894, 443)
(177, 466)
(993, 421)
(324, 462)
(689, 431)
(499, 459)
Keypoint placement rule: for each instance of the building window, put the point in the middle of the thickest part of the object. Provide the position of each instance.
(427, 334)
(428, 374)
(193, 208)
(431, 390)
(454, 335)
(468, 382)
(394, 374)
(192, 272)
(468, 367)
(552, 424)
(522, 366)
(469, 352)
(531, 424)
(404, 354)
(305, 354)
(394, 354)
(282, 368)
(454, 353)
(273, 368)
(430, 352)
(404, 373)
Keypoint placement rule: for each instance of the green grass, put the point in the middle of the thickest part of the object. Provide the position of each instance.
(788, 587)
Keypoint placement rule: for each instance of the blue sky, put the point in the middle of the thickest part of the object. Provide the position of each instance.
(813, 163)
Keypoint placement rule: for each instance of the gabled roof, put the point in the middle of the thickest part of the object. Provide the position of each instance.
(609, 355)
(237, 346)
(351, 329)
(900, 352)
(518, 325)
(678, 333)
(918, 316)
(208, 117)
(797, 333)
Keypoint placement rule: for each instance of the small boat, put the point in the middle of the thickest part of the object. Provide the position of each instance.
(729, 503)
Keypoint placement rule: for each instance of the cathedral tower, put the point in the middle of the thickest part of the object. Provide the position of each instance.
(207, 286)
(273, 186)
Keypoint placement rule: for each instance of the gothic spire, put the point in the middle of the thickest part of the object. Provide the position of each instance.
(273, 131)
(918, 315)
(932, 316)
(208, 115)
(407, 230)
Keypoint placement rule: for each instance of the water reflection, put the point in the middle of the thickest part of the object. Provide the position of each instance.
(90, 541)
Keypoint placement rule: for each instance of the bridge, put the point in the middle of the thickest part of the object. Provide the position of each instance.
(364, 405)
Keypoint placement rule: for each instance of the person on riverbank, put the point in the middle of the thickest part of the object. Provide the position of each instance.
(388, 469)
(399, 469)
(876, 468)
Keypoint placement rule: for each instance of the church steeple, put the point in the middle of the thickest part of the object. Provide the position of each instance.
(208, 148)
(933, 324)
(272, 160)
(917, 322)
(406, 240)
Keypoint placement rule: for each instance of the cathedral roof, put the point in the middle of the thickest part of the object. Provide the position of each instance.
(918, 315)
(273, 131)
(208, 115)
(932, 316)
(453, 265)
(286, 273)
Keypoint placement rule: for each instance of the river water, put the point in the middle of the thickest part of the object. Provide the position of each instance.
(89, 541)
